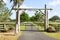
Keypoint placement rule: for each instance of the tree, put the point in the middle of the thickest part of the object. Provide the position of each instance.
(4, 15)
(32, 18)
(39, 16)
(16, 2)
(54, 18)
(24, 17)
(2, 5)
(4, 12)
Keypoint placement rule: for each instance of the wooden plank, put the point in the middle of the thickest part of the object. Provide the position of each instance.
(7, 22)
(31, 9)
(54, 23)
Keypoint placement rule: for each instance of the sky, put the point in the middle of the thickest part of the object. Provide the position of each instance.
(54, 4)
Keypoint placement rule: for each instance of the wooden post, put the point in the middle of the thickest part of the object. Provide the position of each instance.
(46, 18)
(18, 18)
(17, 21)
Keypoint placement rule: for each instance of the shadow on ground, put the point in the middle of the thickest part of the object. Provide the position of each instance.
(34, 30)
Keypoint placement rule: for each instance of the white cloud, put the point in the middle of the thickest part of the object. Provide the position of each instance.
(54, 2)
(55, 13)
(5, 1)
(24, 6)
(51, 14)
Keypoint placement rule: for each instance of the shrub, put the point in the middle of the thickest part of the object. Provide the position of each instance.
(51, 29)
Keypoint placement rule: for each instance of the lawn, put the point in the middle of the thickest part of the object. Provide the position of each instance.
(39, 27)
(22, 27)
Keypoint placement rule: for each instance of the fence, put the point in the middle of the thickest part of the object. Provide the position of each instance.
(57, 26)
(5, 26)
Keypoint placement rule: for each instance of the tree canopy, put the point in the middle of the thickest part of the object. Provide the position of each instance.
(37, 17)
(16, 2)
(54, 18)
(24, 17)
(4, 12)
(2, 4)
(32, 18)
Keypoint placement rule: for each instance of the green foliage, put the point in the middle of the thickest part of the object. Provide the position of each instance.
(54, 18)
(4, 12)
(15, 2)
(38, 16)
(32, 18)
(12, 20)
(24, 17)
(2, 4)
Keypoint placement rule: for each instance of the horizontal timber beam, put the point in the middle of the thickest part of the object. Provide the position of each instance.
(31, 9)
(7, 23)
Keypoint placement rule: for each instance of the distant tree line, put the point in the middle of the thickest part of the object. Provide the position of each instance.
(55, 18)
(37, 17)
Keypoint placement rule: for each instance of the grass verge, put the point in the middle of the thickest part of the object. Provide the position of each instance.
(11, 36)
(39, 27)
(22, 27)
(54, 35)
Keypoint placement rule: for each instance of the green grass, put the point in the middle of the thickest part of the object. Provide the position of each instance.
(54, 22)
(55, 35)
(39, 27)
(22, 27)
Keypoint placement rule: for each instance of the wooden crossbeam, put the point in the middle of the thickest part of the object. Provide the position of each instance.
(31, 9)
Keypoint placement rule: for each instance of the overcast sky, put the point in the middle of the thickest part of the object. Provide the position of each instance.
(54, 4)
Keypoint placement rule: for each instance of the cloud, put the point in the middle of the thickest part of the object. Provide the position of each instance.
(54, 2)
(5, 1)
(51, 14)
(55, 13)
(24, 6)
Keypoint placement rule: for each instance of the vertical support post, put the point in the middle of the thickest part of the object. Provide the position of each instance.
(16, 29)
(4, 25)
(17, 20)
(46, 18)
